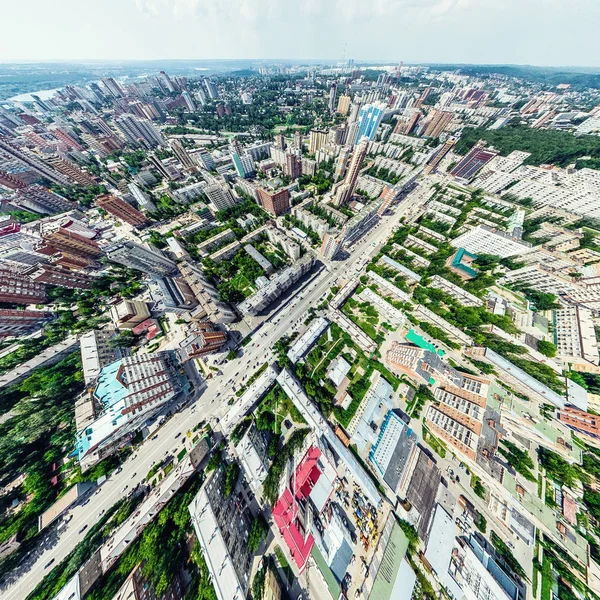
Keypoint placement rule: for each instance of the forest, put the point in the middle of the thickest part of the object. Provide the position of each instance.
(546, 146)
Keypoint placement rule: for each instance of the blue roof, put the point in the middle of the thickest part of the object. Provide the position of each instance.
(110, 390)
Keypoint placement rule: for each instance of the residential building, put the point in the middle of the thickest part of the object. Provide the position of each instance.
(292, 166)
(204, 339)
(317, 139)
(122, 210)
(436, 158)
(343, 105)
(16, 289)
(457, 417)
(71, 170)
(97, 353)
(129, 391)
(475, 568)
(222, 525)
(275, 201)
(369, 118)
(15, 323)
(243, 164)
(575, 335)
(584, 423)
(219, 196)
(472, 162)
(10, 152)
(59, 276)
(436, 123)
(139, 132)
(263, 262)
(141, 258)
(276, 286)
(206, 294)
(347, 188)
(129, 313)
(332, 244)
(279, 238)
(332, 97)
(181, 153)
(485, 240)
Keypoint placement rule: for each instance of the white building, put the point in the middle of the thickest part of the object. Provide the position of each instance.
(484, 240)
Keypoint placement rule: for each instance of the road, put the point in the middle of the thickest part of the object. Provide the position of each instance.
(211, 404)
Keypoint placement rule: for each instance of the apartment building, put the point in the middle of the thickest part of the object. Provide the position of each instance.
(485, 240)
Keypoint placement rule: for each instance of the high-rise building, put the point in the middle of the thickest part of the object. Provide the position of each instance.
(20, 322)
(332, 244)
(16, 289)
(9, 152)
(422, 97)
(141, 258)
(354, 110)
(292, 166)
(122, 210)
(182, 154)
(298, 140)
(204, 160)
(341, 162)
(332, 97)
(280, 141)
(437, 122)
(275, 202)
(189, 102)
(141, 197)
(346, 189)
(317, 138)
(166, 81)
(343, 105)
(408, 127)
(139, 132)
(113, 87)
(473, 161)
(369, 118)
(220, 197)
(244, 165)
(53, 275)
(211, 88)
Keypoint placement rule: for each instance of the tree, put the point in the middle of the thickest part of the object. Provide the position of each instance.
(546, 348)
(258, 532)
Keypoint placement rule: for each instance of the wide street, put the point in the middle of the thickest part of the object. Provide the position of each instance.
(213, 402)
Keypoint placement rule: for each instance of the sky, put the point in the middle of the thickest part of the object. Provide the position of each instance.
(536, 32)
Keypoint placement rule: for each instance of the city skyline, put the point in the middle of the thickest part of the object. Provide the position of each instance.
(416, 31)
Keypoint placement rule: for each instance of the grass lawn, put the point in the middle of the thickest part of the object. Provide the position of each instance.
(438, 446)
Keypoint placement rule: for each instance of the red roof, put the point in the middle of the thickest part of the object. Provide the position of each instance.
(285, 514)
(307, 473)
(11, 228)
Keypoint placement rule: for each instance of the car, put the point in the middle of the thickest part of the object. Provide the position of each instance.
(82, 529)
(86, 502)
(154, 437)
(49, 563)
